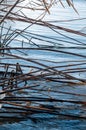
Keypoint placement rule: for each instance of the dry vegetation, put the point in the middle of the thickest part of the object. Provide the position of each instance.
(22, 78)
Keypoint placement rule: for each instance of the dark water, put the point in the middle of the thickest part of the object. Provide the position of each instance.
(46, 124)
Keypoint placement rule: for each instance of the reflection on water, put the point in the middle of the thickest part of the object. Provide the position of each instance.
(46, 124)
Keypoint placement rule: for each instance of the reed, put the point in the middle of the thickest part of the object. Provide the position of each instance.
(31, 85)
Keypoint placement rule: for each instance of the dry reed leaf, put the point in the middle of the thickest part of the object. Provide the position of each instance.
(70, 3)
(46, 6)
(1, 97)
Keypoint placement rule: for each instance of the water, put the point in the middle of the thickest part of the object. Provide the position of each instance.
(62, 41)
